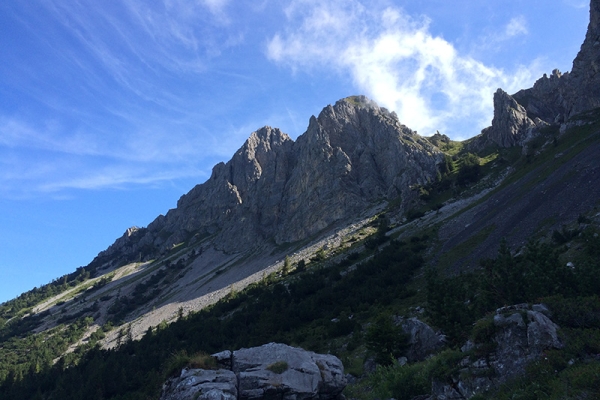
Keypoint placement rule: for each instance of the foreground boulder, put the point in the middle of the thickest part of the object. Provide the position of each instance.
(271, 371)
(202, 384)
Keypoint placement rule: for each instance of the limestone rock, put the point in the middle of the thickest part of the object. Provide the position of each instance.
(439, 140)
(523, 333)
(553, 99)
(269, 371)
(511, 125)
(202, 384)
(423, 340)
(558, 97)
(302, 374)
(584, 75)
(275, 189)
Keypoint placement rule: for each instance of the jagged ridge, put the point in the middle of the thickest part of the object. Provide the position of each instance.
(552, 100)
(273, 188)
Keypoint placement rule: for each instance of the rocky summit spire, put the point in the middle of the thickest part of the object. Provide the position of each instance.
(553, 99)
(585, 76)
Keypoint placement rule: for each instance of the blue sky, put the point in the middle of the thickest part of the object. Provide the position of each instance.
(111, 110)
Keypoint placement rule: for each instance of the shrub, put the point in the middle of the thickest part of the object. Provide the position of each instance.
(278, 367)
(181, 360)
(578, 312)
(483, 331)
(400, 382)
(385, 340)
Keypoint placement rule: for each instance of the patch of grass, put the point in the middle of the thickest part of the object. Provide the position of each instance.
(278, 367)
(181, 360)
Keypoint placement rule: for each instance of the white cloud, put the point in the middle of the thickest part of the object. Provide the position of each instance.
(516, 26)
(394, 59)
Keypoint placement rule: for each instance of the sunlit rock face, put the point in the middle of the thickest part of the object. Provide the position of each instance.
(271, 371)
(553, 100)
(274, 189)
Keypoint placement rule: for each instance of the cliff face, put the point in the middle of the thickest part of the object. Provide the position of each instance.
(559, 97)
(352, 154)
(511, 125)
(585, 77)
(553, 99)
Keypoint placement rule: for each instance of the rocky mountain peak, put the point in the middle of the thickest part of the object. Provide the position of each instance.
(275, 189)
(264, 140)
(553, 99)
(586, 67)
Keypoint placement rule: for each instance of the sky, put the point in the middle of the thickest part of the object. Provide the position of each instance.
(111, 110)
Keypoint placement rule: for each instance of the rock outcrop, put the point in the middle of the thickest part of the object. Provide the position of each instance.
(273, 188)
(202, 384)
(422, 339)
(511, 125)
(585, 77)
(553, 99)
(522, 334)
(271, 371)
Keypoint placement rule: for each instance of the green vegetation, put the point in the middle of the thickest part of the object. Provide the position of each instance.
(278, 367)
(404, 382)
(455, 303)
(311, 309)
(386, 340)
(181, 360)
(11, 312)
(25, 356)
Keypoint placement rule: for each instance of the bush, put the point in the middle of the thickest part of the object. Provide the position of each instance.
(400, 382)
(278, 367)
(181, 360)
(386, 340)
(578, 312)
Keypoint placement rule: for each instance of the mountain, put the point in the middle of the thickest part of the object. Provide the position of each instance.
(275, 189)
(553, 100)
(325, 241)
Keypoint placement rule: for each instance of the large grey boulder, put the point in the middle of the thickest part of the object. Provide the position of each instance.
(423, 340)
(521, 336)
(271, 371)
(280, 371)
(202, 385)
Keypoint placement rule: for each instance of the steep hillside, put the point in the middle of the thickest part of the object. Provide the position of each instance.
(274, 198)
(312, 242)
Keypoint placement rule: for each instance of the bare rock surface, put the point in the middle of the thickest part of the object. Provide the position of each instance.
(271, 371)
(423, 340)
(202, 385)
(522, 334)
(553, 99)
(353, 154)
(511, 125)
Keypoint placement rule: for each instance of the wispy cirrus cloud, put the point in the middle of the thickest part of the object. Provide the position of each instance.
(394, 58)
(120, 91)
